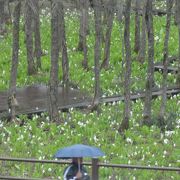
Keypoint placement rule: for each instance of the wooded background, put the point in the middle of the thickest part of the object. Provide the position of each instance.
(104, 12)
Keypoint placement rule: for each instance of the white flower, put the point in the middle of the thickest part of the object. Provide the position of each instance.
(95, 138)
(169, 133)
(49, 169)
(166, 141)
(129, 140)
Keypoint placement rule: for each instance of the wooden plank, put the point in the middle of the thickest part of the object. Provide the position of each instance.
(37, 103)
(169, 69)
(136, 96)
(34, 99)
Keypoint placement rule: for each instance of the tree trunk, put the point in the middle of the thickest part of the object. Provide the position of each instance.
(37, 35)
(15, 58)
(178, 74)
(176, 13)
(142, 48)
(53, 87)
(178, 24)
(63, 45)
(83, 31)
(109, 11)
(169, 4)
(97, 50)
(127, 102)
(150, 70)
(29, 37)
(137, 28)
(2, 18)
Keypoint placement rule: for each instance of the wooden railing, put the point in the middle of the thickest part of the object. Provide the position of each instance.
(95, 167)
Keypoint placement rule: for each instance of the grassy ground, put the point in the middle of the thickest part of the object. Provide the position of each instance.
(39, 138)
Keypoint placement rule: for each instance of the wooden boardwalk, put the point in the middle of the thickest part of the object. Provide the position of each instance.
(160, 67)
(34, 99)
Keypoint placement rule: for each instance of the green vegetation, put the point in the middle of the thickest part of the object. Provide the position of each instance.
(39, 138)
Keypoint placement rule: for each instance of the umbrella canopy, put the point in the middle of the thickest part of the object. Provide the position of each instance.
(78, 150)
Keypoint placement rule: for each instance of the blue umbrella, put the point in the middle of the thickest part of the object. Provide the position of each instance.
(78, 150)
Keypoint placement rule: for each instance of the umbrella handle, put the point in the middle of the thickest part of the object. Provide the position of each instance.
(79, 165)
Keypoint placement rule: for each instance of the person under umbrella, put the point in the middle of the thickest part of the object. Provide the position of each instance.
(76, 153)
(76, 171)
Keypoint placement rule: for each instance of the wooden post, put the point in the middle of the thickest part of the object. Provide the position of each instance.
(95, 169)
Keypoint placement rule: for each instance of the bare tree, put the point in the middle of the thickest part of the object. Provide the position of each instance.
(109, 11)
(137, 27)
(178, 74)
(2, 21)
(176, 13)
(150, 70)
(15, 58)
(5, 16)
(169, 4)
(63, 47)
(178, 24)
(97, 50)
(83, 31)
(127, 101)
(55, 47)
(29, 37)
(37, 36)
(142, 48)
(33, 38)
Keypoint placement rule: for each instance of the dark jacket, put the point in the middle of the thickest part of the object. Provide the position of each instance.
(71, 171)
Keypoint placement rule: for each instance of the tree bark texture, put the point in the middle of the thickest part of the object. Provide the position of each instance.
(53, 85)
(2, 17)
(150, 69)
(178, 24)
(97, 49)
(83, 31)
(109, 13)
(37, 35)
(137, 28)
(63, 46)
(15, 58)
(142, 48)
(127, 102)
(31, 69)
(169, 4)
(176, 18)
(178, 74)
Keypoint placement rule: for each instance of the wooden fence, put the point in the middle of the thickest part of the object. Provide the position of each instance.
(96, 165)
